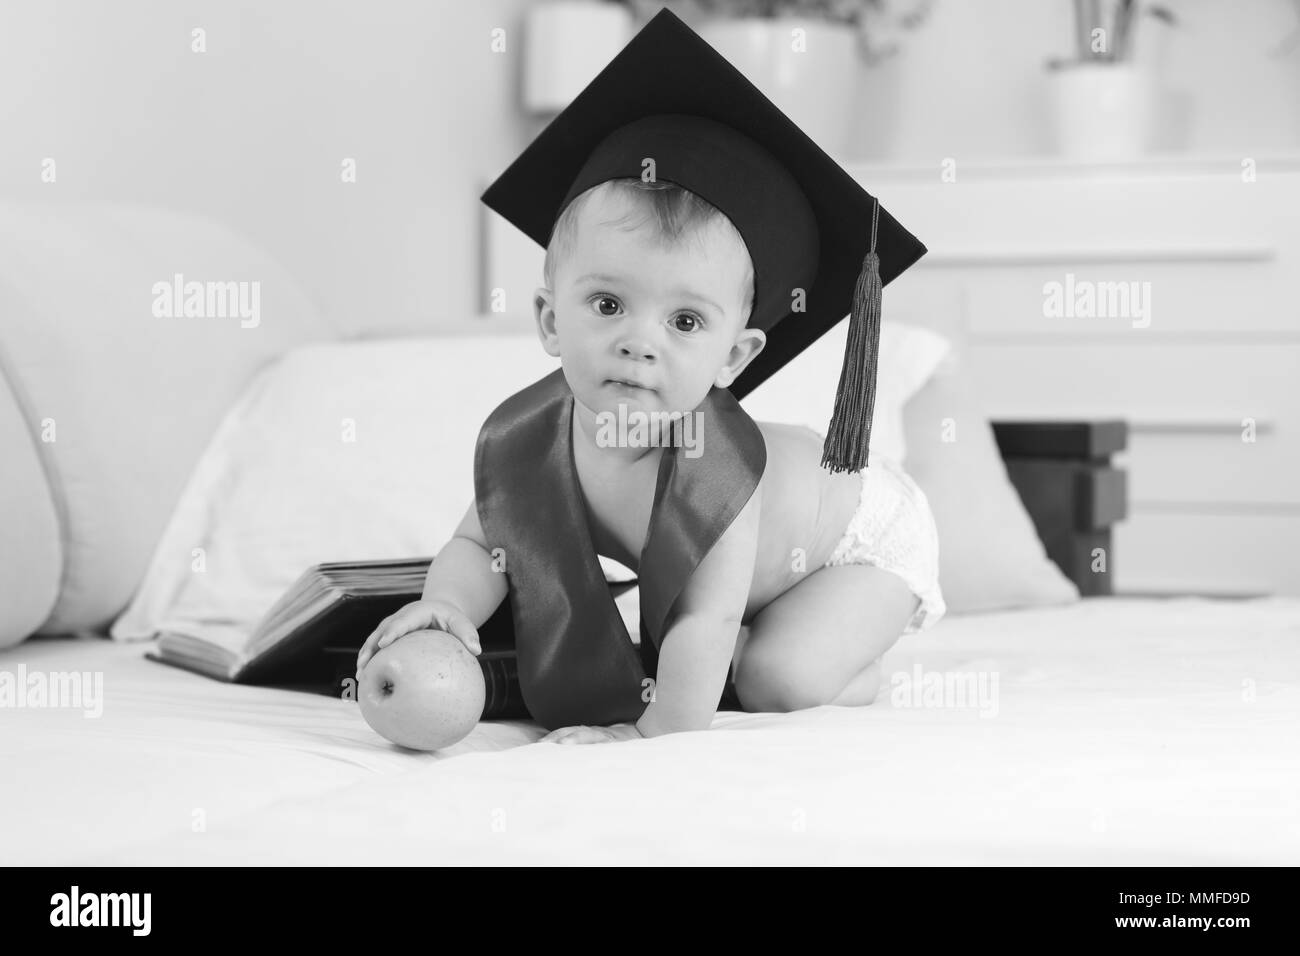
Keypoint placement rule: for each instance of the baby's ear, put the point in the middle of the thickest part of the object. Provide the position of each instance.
(544, 313)
(748, 344)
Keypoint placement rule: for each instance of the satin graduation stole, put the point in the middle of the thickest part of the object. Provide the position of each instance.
(577, 663)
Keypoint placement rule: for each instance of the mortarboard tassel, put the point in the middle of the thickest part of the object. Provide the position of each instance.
(849, 434)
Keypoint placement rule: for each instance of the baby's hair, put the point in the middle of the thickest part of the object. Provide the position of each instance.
(677, 213)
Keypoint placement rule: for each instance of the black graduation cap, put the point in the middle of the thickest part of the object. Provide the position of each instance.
(805, 221)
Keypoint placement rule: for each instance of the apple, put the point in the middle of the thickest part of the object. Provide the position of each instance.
(424, 691)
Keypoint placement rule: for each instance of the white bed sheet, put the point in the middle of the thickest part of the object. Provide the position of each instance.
(1128, 731)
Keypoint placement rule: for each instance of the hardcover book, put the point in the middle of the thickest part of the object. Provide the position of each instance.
(309, 639)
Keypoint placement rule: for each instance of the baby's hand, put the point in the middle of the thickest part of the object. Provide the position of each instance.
(420, 616)
(592, 735)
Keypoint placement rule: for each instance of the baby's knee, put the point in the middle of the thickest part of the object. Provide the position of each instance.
(783, 690)
(774, 696)
(861, 691)
(779, 689)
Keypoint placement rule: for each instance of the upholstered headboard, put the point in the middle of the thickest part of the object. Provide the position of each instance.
(106, 402)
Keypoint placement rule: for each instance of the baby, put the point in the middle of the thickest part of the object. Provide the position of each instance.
(648, 295)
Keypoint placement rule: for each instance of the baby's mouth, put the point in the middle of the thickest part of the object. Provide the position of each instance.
(626, 384)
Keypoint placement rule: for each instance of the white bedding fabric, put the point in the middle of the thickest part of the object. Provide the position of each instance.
(1128, 731)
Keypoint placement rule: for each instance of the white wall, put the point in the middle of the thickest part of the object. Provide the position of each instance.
(253, 131)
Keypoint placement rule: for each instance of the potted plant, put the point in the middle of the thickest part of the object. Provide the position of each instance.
(1103, 99)
(804, 55)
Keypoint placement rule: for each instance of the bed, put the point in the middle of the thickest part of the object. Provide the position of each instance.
(1043, 721)
(1127, 731)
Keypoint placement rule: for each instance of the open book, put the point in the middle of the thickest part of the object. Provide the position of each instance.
(309, 639)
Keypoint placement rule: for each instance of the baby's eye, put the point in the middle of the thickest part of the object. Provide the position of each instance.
(601, 299)
(693, 319)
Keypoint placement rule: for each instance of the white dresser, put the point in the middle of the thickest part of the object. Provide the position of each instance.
(1176, 306)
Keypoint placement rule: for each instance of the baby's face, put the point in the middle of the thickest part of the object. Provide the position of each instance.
(670, 319)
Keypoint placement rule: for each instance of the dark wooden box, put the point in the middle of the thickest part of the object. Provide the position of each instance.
(1073, 493)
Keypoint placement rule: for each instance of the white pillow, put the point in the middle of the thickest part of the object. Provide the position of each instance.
(990, 555)
(281, 487)
(803, 391)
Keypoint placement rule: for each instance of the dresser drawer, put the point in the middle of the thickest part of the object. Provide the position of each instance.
(1193, 463)
(1128, 300)
(1227, 553)
(1184, 404)
(992, 218)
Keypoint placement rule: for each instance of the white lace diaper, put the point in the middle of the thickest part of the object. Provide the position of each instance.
(893, 529)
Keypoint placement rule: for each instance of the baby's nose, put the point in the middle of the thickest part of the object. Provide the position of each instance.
(637, 348)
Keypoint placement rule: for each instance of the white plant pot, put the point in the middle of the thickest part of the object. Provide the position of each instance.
(815, 87)
(1101, 111)
(567, 42)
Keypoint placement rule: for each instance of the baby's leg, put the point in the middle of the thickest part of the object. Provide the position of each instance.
(862, 689)
(820, 642)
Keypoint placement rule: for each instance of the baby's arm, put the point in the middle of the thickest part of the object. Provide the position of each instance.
(701, 637)
(462, 572)
(461, 591)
